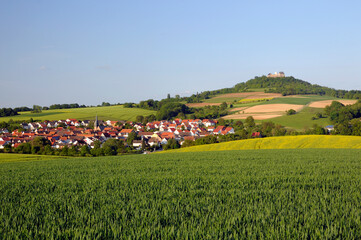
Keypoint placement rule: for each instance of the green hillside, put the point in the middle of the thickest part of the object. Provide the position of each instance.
(302, 120)
(302, 100)
(250, 194)
(104, 113)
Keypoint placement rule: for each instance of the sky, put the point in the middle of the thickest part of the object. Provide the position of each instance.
(89, 52)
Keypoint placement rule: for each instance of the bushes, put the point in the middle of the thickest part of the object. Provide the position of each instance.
(291, 112)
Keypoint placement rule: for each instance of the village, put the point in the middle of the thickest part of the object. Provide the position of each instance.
(73, 132)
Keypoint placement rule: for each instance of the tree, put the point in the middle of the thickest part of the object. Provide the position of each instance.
(131, 137)
(112, 145)
(170, 110)
(188, 143)
(168, 96)
(84, 151)
(97, 144)
(249, 122)
(221, 121)
(223, 106)
(319, 115)
(48, 150)
(64, 151)
(38, 144)
(73, 151)
(24, 148)
(172, 144)
(139, 119)
(291, 112)
(8, 148)
(37, 109)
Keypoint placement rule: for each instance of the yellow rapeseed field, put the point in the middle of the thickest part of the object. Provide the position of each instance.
(286, 142)
(251, 100)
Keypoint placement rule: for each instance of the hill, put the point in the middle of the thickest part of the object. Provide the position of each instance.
(275, 194)
(286, 142)
(104, 113)
(293, 86)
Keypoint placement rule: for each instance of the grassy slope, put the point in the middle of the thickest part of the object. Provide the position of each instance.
(7, 157)
(104, 113)
(302, 100)
(286, 142)
(273, 194)
(302, 119)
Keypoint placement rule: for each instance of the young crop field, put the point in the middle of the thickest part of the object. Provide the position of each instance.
(298, 99)
(250, 194)
(7, 157)
(104, 113)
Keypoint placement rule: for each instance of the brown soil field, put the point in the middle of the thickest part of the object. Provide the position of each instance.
(249, 95)
(202, 104)
(255, 116)
(272, 108)
(322, 104)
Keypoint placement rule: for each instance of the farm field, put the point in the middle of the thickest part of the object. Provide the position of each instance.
(249, 194)
(230, 97)
(323, 104)
(300, 100)
(284, 142)
(302, 119)
(104, 113)
(6, 157)
(275, 109)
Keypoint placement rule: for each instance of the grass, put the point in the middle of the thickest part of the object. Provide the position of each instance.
(304, 100)
(302, 119)
(284, 142)
(104, 113)
(250, 194)
(11, 157)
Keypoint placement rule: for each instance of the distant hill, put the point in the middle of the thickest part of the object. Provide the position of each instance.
(283, 85)
(293, 86)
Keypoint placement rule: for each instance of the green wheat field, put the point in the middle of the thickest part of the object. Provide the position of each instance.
(239, 194)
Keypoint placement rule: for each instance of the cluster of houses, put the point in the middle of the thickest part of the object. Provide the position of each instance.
(72, 132)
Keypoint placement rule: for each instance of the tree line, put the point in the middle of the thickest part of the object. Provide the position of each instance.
(346, 119)
(6, 112)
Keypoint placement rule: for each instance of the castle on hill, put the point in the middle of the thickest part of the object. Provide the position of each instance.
(276, 74)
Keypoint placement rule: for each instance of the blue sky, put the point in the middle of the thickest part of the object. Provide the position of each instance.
(119, 51)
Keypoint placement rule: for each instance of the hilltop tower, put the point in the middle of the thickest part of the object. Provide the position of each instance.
(276, 75)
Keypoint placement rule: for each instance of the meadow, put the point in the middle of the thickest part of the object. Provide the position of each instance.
(277, 194)
(298, 99)
(302, 120)
(104, 113)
